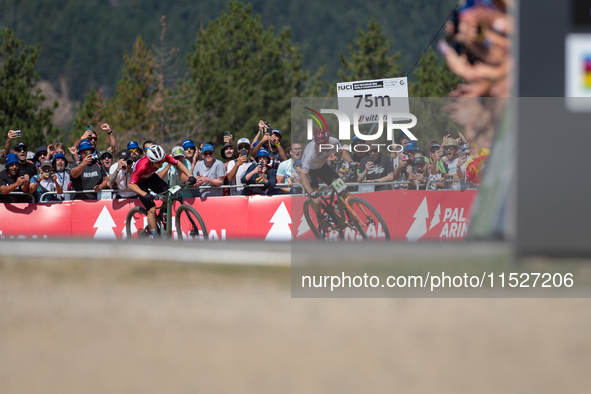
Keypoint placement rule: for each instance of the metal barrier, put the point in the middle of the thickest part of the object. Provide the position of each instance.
(29, 195)
(359, 185)
(463, 184)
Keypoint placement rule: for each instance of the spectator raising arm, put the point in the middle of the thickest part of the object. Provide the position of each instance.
(11, 136)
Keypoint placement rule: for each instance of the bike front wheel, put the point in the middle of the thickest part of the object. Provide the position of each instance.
(365, 222)
(189, 224)
(327, 231)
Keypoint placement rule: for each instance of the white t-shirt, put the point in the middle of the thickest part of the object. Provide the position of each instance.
(284, 169)
(237, 179)
(313, 160)
(122, 180)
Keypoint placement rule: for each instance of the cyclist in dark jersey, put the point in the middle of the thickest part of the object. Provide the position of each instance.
(314, 163)
(144, 178)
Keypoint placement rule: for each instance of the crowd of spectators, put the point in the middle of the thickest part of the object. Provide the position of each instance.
(47, 173)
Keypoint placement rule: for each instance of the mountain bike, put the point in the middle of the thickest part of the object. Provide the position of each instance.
(350, 218)
(189, 224)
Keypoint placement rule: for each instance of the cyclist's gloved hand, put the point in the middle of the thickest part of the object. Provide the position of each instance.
(192, 180)
(315, 194)
(149, 197)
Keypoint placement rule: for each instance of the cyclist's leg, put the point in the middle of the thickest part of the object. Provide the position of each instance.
(157, 185)
(327, 175)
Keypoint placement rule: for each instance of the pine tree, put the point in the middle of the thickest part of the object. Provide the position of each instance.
(369, 56)
(129, 110)
(241, 73)
(20, 100)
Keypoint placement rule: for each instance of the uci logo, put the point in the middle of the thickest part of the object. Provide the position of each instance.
(345, 87)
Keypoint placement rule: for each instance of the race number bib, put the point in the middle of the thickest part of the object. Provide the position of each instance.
(339, 185)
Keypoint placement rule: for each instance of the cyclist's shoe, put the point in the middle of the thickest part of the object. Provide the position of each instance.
(323, 224)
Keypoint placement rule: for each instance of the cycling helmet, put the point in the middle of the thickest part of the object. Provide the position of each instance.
(155, 153)
(320, 135)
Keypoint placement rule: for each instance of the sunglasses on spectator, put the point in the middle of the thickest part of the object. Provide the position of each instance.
(244, 147)
(208, 153)
(373, 150)
(135, 150)
(433, 149)
(92, 138)
(190, 148)
(20, 150)
(42, 154)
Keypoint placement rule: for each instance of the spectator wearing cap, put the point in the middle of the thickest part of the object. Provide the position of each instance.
(60, 167)
(376, 167)
(449, 165)
(295, 174)
(106, 158)
(434, 147)
(209, 172)
(40, 155)
(419, 171)
(89, 174)
(237, 167)
(46, 181)
(26, 166)
(11, 181)
(285, 168)
(228, 153)
(120, 175)
(135, 152)
(170, 173)
(190, 153)
(271, 141)
(260, 173)
(92, 136)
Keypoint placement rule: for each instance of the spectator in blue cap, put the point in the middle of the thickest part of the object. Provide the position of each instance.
(91, 136)
(135, 152)
(89, 174)
(191, 153)
(260, 173)
(10, 181)
(209, 172)
(60, 166)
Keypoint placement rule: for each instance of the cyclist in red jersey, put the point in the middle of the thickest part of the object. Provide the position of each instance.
(144, 178)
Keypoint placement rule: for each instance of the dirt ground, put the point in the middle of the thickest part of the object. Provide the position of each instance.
(105, 327)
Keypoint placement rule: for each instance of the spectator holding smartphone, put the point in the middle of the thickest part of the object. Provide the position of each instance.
(11, 181)
(92, 136)
(260, 173)
(376, 167)
(271, 141)
(89, 174)
(120, 175)
(237, 167)
(46, 181)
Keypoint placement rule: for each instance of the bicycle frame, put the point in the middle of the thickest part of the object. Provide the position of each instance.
(344, 201)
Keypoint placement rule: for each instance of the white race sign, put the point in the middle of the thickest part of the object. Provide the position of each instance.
(369, 98)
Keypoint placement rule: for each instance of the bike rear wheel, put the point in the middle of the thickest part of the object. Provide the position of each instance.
(137, 216)
(189, 224)
(366, 223)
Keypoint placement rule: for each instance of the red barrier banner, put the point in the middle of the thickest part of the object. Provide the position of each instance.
(410, 216)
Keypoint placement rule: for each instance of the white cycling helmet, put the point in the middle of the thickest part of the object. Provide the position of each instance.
(155, 153)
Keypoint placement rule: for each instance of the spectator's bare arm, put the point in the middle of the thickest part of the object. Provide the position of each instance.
(11, 136)
(112, 142)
